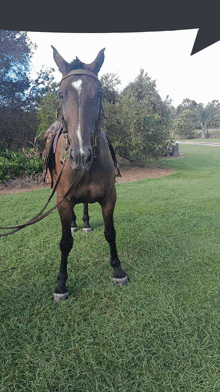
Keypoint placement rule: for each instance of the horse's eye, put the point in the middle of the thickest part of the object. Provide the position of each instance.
(61, 95)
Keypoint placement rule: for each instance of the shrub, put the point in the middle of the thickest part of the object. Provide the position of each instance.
(16, 164)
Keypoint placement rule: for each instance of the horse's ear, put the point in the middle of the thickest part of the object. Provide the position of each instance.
(60, 62)
(97, 63)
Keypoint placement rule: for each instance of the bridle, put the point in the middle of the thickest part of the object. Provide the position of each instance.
(80, 72)
(101, 110)
(79, 174)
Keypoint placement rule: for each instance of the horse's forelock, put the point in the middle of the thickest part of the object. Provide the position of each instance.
(76, 64)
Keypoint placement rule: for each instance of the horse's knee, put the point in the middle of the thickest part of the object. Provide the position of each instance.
(66, 244)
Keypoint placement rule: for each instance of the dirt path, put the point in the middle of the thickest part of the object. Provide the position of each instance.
(138, 173)
(128, 174)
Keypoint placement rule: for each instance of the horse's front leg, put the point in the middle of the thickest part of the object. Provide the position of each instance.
(86, 228)
(66, 243)
(120, 277)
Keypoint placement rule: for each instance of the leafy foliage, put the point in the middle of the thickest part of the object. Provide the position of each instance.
(110, 84)
(209, 115)
(19, 94)
(183, 125)
(137, 120)
(191, 115)
(15, 54)
(17, 127)
(17, 164)
(46, 115)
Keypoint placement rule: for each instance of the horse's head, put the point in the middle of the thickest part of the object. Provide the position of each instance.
(80, 96)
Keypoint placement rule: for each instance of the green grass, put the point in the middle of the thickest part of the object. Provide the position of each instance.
(161, 332)
(200, 140)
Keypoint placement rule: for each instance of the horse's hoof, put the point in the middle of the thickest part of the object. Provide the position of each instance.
(74, 229)
(121, 281)
(87, 230)
(59, 297)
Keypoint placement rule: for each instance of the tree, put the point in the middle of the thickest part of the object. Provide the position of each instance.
(191, 115)
(19, 94)
(146, 119)
(136, 120)
(46, 115)
(110, 83)
(183, 124)
(186, 104)
(15, 54)
(111, 97)
(209, 116)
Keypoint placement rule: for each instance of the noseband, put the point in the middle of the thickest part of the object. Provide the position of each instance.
(101, 111)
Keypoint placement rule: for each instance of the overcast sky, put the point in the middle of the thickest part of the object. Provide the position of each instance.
(164, 55)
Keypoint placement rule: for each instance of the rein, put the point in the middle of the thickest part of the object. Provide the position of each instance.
(39, 216)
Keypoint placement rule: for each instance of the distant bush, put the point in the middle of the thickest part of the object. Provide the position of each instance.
(17, 164)
(137, 120)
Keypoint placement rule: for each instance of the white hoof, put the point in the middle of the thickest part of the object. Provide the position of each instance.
(74, 229)
(121, 281)
(87, 230)
(59, 297)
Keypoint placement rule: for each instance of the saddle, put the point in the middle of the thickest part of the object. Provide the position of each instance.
(51, 138)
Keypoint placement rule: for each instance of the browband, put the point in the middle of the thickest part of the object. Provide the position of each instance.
(80, 72)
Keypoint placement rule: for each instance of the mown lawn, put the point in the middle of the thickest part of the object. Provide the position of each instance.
(161, 332)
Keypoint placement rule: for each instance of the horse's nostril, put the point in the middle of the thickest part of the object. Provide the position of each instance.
(81, 158)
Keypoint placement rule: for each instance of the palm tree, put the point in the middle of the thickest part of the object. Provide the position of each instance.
(208, 116)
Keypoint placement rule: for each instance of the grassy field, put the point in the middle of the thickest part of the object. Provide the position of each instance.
(161, 332)
(200, 140)
(214, 136)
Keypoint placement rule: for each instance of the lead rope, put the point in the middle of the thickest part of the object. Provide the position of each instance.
(39, 216)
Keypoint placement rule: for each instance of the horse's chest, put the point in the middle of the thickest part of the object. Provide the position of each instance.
(89, 193)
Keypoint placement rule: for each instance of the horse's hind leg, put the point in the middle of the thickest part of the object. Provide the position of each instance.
(86, 228)
(120, 277)
(74, 226)
(66, 243)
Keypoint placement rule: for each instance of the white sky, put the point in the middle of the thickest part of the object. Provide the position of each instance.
(164, 55)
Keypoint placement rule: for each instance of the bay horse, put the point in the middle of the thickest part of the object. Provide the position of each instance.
(83, 162)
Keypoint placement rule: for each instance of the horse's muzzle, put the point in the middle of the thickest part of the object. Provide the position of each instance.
(81, 160)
